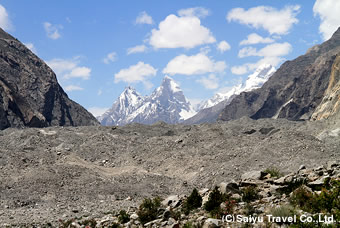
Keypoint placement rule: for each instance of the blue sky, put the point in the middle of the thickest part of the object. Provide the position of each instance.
(97, 48)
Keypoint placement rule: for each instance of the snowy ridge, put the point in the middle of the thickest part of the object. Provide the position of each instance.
(167, 103)
(254, 81)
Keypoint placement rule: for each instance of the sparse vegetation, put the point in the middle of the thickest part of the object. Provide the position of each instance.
(192, 202)
(214, 202)
(274, 172)
(89, 223)
(250, 194)
(283, 211)
(301, 197)
(123, 217)
(229, 206)
(148, 210)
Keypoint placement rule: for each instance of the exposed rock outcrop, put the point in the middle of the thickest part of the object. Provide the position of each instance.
(29, 92)
(294, 91)
(330, 103)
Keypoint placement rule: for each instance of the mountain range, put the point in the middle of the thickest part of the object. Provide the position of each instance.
(167, 103)
(211, 108)
(302, 89)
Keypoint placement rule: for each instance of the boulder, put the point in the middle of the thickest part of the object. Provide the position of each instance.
(253, 175)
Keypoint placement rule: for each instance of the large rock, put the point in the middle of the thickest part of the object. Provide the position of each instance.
(296, 89)
(29, 92)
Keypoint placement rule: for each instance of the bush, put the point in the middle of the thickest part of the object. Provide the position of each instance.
(191, 225)
(250, 194)
(229, 207)
(274, 172)
(148, 210)
(192, 202)
(301, 197)
(214, 202)
(327, 202)
(123, 217)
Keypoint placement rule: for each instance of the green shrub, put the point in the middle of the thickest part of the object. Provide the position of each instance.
(274, 172)
(301, 197)
(250, 194)
(188, 225)
(148, 210)
(123, 217)
(214, 202)
(191, 225)
(192, 202)
(328, 201)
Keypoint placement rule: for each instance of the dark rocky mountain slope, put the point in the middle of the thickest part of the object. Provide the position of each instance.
(29, 92)
(296, 89)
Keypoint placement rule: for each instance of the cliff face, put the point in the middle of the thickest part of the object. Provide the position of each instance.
(29, 92)
(296, 89)
(330, 103)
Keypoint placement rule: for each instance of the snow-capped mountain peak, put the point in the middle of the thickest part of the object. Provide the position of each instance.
(166, 103)
(130, 97)
(171, 84)
(259, 77)
(254, 81)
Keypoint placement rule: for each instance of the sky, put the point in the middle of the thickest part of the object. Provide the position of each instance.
(97, 48)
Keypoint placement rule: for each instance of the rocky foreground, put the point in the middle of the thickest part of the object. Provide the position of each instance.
(258, 199)
(62, 173)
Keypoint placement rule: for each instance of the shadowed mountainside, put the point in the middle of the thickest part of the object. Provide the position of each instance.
(29, 92)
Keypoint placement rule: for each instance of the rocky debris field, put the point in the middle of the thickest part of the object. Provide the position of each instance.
(56, 173)
(258, 199)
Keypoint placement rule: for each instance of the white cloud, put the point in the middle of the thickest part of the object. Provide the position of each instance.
(66, 69)
(52, 31)
(180, 32)
(271, 54)
(276, 49)
(31, 47)
(97, 111)
(239, 70)
(194, 12)
(136, 73)
(5, 22)
(256, 39)
(71, 88)
(136, 49)
(210, 82)
(110, 58)
(247, 51)
(223, 46)
(144, 18)
(273, 20)
(248, 67)
(328, 11)
(193, 65)
(79, 72)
